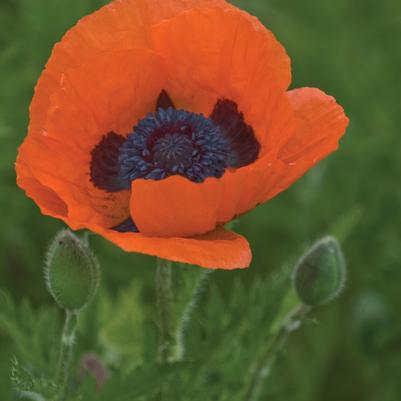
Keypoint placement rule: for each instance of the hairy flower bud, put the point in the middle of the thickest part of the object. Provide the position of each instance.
(71, 271)
(320, 273)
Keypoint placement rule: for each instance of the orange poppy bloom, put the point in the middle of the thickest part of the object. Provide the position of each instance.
(156, 122)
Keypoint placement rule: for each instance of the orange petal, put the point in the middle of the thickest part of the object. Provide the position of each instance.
(243, 189)
(212, 53)
(315, 128)
(109, 93)
(179, 207)
(175, 206)
(121, 25)
(320, 119)
(219, 249)
(252, 78)
(50, 203)
(321, 124)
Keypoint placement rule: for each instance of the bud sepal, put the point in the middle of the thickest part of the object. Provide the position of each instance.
(320, 274)
(71, 271)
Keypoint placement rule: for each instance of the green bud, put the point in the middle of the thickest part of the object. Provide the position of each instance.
(320, 274)
(71, 271)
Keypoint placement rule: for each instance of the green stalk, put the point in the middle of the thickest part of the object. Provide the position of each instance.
(164, 305)
(179, 350)
(66, 353)
(273, 348)
(28, 395)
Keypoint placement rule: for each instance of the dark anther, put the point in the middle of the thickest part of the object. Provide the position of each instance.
(244, 145)
(127, 226)
(164, 101)
(174, 142)
(105, 167)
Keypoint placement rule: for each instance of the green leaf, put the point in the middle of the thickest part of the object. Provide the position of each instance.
(122, 322)
(34, 333)
(21, 379)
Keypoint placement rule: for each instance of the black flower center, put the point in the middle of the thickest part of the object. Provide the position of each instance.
(173, 150)
(174, 142)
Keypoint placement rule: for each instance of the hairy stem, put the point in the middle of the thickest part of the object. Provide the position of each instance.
(66, 353)
(164, 305)
(186, 316)
(271, 351)
(28, 395)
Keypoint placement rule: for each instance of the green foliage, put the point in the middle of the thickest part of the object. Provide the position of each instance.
(374, 325)
(121, 318)
(224, 355)
(248, 317)
(28, 386)
(21, 379)
(34, 332)
(214, 366)
(34, 335)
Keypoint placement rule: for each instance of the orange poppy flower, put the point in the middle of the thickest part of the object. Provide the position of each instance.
(156, 122)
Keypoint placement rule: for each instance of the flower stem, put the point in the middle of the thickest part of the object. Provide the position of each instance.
(164, 305)
(187, 315)
(66, 353)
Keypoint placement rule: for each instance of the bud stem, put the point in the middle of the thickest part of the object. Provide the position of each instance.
(66, 353)
(28, 395)
(164, 305)
(264, 364)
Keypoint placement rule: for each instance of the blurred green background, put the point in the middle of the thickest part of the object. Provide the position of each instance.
(350, 49)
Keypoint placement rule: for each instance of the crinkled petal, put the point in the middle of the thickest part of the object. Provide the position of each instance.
(219, 249)
(175, 206)
(315, 125)
(107, 94)
(50, 203)
(321, 123)
(120, 25)
(213, 53)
